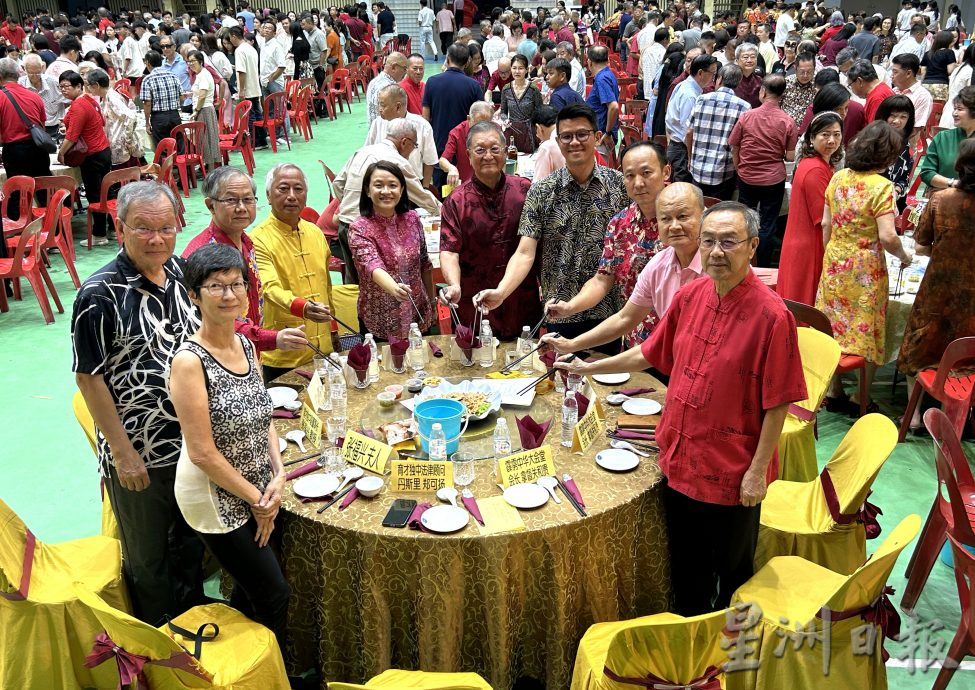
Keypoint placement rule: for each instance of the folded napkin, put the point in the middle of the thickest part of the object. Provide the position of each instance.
(570, 484)
(397, 350)
(471, 504)
(437, 352)
(303, 470)
(349, 497)
(636, 435)
(414, 521)
(284, 414)
(466, 340)
(583, 403)
(531, 432)
(318, 499)
(359, 357)
(548, 358)
(304, 373)
(636, 391)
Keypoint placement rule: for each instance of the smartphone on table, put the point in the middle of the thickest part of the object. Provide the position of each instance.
(399, 513)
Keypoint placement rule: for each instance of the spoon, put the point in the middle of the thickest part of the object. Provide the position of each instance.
(350, 475)
(618, 398)
(623, 445)
(296, 436)
(549, 483)
(448, 494)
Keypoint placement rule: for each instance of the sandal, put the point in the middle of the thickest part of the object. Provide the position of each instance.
(837, 404)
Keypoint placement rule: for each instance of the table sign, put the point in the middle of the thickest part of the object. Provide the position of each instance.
(421, 475)
(311, 424)
(367, 453)
(316, 392)
(586, 429)
(499, 516)
(527, 466)
(588, 391)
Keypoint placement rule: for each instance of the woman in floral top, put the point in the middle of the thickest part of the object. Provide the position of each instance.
(390, 255)
(858, 225)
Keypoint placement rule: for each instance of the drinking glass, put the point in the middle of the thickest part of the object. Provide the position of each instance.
(335, 427)
(573, 382)
(331, 460)
(321, 368)
(463, 468)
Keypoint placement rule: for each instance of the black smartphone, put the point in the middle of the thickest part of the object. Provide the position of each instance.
(399, 513)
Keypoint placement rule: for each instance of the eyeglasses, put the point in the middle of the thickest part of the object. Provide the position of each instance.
(413, 142)
(231, 202)
(220, 289)
(165, 45)
(726, 244)
(582, 136)
(146, 233)
(494, 151)
(791, 44)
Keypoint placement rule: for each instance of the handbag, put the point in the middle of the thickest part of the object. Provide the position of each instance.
(77, 154)
(38, 134)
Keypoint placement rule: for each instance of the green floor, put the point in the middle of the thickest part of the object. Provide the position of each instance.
(49, 474)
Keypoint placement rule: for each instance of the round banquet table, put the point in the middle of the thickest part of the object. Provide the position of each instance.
(365, 597)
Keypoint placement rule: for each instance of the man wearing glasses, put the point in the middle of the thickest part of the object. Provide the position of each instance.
(160, 94)
(729, 345)
(231, 197)
(567, 213)
(174, 63)
(128, 320)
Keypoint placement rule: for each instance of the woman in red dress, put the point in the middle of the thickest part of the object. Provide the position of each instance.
(801, 260)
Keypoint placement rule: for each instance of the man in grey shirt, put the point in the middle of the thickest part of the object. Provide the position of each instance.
(866, 42)
(318, 47)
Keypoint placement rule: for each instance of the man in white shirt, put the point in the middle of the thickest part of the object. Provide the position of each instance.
(644, 39)
(651, 58)
(425, 20)
(903, 77)
(272, 59)
(133, 66)
(904, 18)
(914, 42)
(765, 47)
(89, 41)
(784, 26)
(392, 106)
(577, 81)
(495, 47)
(140, 31)
(247, 65)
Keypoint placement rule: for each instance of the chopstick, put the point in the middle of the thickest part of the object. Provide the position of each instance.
(346, 326)
(453, 310)
(539, 324)
(505, 369)
(332, 502)
(571, 498)
(542, 377)
(322, 354)
(303, 457)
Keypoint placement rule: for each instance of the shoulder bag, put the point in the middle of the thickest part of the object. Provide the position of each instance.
(38, 134)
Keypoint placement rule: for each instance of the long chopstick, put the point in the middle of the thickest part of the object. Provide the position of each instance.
(505, 369)
(322, 354)
(453, 309)
(571, 498)
(543, 377)
(346, 326)
(332, 502)
(538, 325)
(303, 457)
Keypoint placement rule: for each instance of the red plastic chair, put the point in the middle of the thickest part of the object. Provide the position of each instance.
(164, 149)
(23, 187)
(193, 134)
(300, 115)
(710, 201)
(631, 134)
(634, 112)
(56, 231)
(953, 515)
(123, 85)
(327, 221)
(25, 264)
(340, 89)
(277, 104)
(964, 642)
(937, 108)
(110, 206)
(955, 393)
(329, 178)
(240, 139)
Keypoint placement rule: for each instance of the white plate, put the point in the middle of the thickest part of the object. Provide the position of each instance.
(315, 485)
(641, 406)
(617, 460)
(445, 519)
(282, 445)
(281, 395)
(526, 496)
(611, 379)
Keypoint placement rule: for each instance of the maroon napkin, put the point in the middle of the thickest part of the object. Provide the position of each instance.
(304, 373)
(284, 414)
(359, 358)
(303, 470)
(531, 432)
(349, 497)
(437, 352)
(548, 358)
(583, 403)
(471, 504)
(466, 340)
(636, 435)
(636, 391)
(318, 499)
(397, 350)
(570, 484)
(414, 521)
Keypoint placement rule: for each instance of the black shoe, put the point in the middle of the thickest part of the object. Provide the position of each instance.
(840, 404)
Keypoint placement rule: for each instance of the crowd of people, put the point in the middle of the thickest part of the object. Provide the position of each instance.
(642, 251)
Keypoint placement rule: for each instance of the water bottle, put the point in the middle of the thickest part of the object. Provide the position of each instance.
(524, 347)
(374, 360)
(339, 395)
(438, 443)
(570, 415)
(487, 345)
(417, 359)
(502, 439)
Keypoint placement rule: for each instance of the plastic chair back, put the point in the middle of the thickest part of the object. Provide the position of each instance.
(13, 543)
(959, 351)
(820, 354)
(396, 679)
(85, 420)
(710, 201)
(810, 316)
(192, 133)
(23, 187)
(123, 84)
(241, 114)
(275, 107)
(954, 475)
(164, 149)
(965, 580)
(25, 254)
(859, 457)
(119, 177)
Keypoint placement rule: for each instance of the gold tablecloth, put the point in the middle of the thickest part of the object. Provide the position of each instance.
(366, 598)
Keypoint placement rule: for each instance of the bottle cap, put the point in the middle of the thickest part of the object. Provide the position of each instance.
(437, 426)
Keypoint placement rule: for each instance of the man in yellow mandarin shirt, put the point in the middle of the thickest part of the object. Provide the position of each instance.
(292, 260)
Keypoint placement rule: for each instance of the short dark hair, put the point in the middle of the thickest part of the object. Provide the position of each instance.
(805, 57)
(72, 77)
(560, 65)
(702, 63)
(365, 203)
(965, 165)
(154, 59)
(897, 103)
(598, 54)
(816, 125)
(518, 57)
(211, 258)
(574, 111)
(876, 147)
(661, 34)
(827, 75)
(236, 31)
(869, 23)
(544, 115)
(458, 54)
(774, 84)
(658, 150)
(69, 43)
(908, 61)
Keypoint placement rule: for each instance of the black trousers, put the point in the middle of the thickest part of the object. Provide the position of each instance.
(724, 191)
(260, 590)
(677, 157)
(767, 200)
(350, 275)
(162, 558)
(93, 169)
(712, 549)
(446, 39)
(571, 330)
(24, 158)
(257, 112)
(161, 123)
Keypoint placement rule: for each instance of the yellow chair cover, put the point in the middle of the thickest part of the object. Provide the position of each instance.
(796, 590)
(797, 444)
(673, 648)
(243, 655)
(45, 632)
(395, 679)
(796, 520)
(81, 413)
(345, 299)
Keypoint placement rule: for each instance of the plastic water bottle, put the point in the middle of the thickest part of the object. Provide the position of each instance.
(502, 439)
(570, 415)
(438, 443)
(487, 346)
(416, 348)
(339, 395)
(374, 360)
(524, 347)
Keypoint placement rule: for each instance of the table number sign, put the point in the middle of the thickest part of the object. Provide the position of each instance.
(588, 391)
(586, 430)
(311, 424)
(316, 392)
(527, 466)
(411, 476)
(367, 453)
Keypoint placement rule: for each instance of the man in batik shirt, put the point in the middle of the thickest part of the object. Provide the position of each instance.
(479, 233)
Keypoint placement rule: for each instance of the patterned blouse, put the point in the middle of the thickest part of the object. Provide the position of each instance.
(397, 246)
(240, 417)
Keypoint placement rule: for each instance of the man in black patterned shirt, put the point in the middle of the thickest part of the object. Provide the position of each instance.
(128, 320)
(567, 213)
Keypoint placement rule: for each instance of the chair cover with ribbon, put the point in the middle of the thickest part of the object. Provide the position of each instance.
(83, 415)
(664, 650)
(797, 445)
(243, 655)
(395, 679)
(860, 617)
(45, 632)
(824, 520)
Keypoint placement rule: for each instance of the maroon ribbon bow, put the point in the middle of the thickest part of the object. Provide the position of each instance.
(881, 613)
(706, 681)
(866, 515)
(129, 664)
